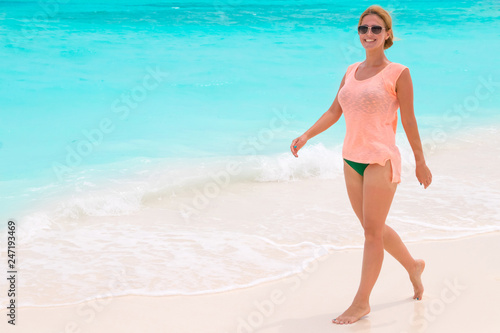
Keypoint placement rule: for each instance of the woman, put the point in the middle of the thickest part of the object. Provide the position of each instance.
(369, 96)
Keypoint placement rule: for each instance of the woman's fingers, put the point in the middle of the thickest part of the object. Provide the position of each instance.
(426, 182)
(424, 176)
(294, 147)
(297, 144)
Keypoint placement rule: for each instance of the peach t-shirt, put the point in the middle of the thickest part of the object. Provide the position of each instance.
(370, 109)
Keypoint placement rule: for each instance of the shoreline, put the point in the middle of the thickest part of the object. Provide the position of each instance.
(458, 282)
(256, 283)
(437, 146)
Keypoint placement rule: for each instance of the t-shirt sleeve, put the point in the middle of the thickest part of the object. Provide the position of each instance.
(349, 69)
(392, 76)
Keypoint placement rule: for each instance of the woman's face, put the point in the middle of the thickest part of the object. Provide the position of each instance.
(369, 40)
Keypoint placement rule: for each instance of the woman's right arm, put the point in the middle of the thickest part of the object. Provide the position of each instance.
(330, 117)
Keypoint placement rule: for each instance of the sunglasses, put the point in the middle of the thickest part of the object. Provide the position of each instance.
(376, 29)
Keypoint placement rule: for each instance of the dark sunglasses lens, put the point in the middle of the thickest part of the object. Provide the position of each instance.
(362, 29)
(376, 29)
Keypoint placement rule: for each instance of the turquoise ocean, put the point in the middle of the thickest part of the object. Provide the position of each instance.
(149, 140)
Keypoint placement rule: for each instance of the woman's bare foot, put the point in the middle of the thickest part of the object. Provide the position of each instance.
(352, 314)
(415, 278)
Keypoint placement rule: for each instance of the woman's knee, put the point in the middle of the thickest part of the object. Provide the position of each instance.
(373, 229)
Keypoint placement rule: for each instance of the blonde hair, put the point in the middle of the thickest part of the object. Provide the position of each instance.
(386, 17)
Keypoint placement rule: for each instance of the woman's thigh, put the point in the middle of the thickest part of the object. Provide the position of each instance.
(378, 192)
(354, 185)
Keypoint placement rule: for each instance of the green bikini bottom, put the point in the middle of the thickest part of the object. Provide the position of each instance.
(359, 167)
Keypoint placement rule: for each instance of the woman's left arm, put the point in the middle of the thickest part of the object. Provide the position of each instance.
(404, 92)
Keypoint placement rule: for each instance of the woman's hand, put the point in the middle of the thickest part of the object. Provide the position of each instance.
(424, 175)
(297, 144)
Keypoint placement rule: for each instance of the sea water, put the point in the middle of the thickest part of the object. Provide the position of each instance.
(147, 142)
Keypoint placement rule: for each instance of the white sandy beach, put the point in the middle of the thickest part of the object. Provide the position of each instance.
(462, 288)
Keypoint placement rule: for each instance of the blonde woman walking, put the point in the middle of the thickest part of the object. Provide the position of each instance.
(369, 96)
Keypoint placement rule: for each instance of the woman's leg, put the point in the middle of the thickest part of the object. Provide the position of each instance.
(395, 246)
(378, 192)
(392, 242)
